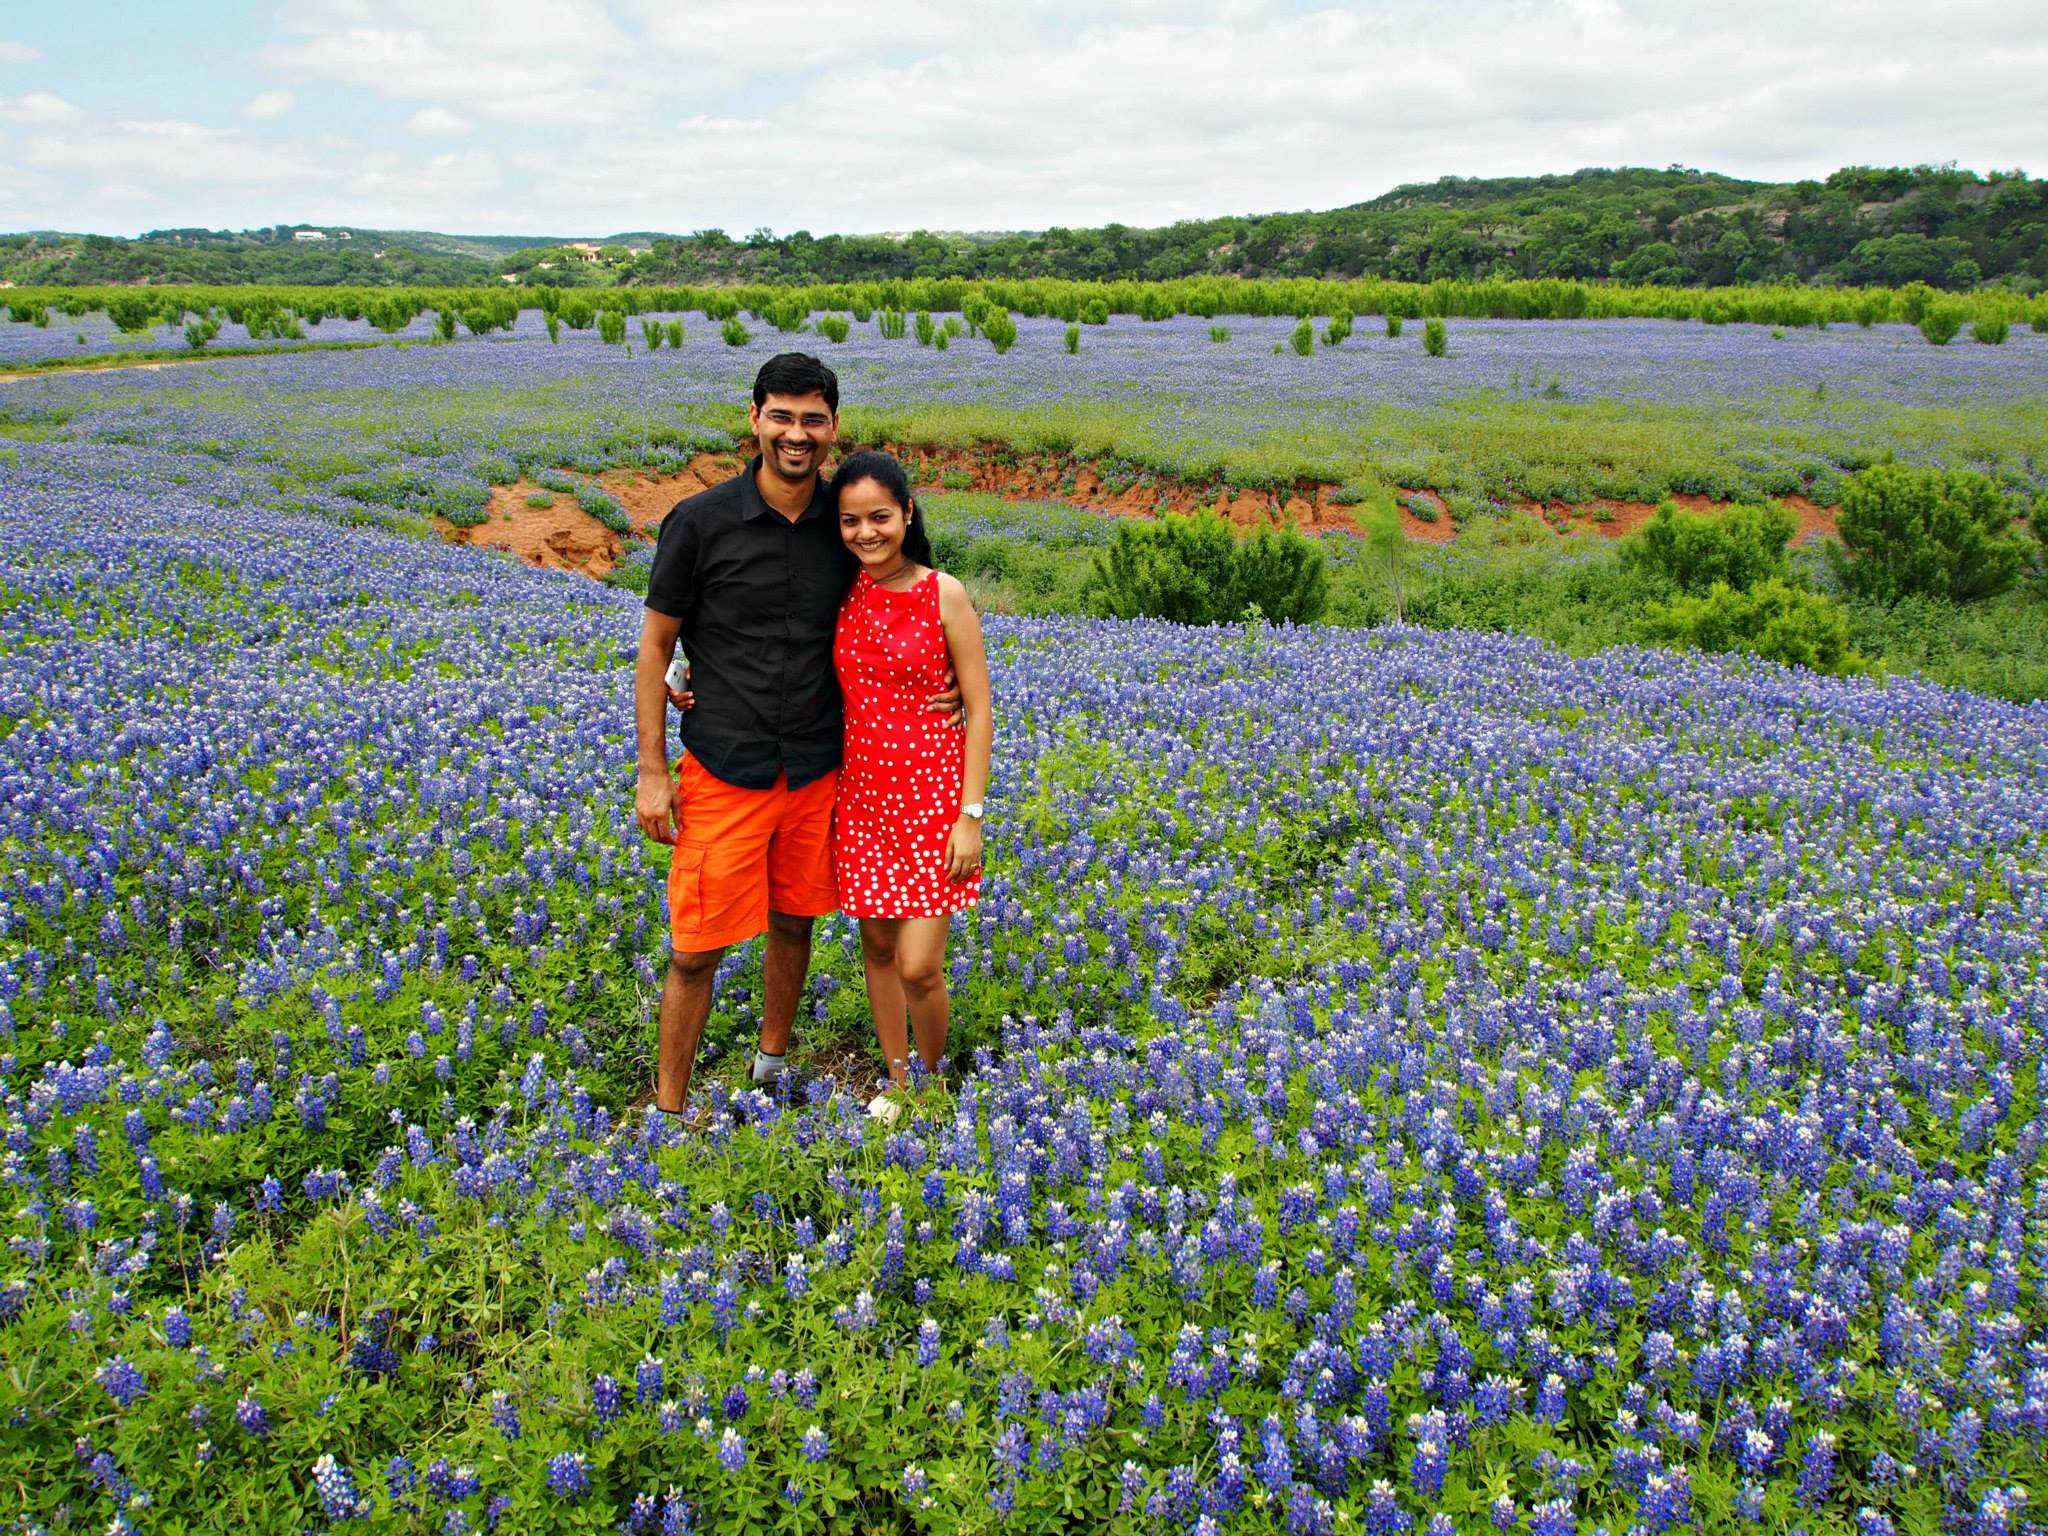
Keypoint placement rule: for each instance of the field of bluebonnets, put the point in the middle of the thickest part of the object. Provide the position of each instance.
(1407, 1081)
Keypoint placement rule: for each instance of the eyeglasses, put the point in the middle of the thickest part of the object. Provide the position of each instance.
(810, 421)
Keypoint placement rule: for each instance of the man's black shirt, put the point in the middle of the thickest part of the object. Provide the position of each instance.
(759, 598)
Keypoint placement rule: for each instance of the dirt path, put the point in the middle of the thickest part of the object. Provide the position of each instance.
(561, 536)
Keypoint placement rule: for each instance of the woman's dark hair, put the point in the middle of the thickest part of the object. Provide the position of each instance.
(796, 373)
(869, 464)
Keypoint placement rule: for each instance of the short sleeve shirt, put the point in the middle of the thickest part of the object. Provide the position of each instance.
(758, 595)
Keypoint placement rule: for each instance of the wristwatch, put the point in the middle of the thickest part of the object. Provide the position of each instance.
(974, 809)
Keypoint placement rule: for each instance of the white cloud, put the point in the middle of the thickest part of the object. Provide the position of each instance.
(438, 120)
(12, 52)
(167, 153)
(269, 104)
(37, 107)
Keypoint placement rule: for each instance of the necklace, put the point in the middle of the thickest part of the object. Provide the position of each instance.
(883, 581)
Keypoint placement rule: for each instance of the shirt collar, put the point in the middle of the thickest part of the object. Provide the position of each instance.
(752, 505)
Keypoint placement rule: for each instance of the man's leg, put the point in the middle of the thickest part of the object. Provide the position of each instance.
(785, 961)
(685, 1005)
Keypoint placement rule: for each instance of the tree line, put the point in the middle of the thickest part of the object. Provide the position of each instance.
(1885, 227)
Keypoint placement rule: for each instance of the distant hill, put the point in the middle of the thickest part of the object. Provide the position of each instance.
(1874, 225)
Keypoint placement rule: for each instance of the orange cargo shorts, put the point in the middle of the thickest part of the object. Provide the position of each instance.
(740, 854)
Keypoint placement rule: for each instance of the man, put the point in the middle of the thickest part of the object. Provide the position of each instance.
(749, 575)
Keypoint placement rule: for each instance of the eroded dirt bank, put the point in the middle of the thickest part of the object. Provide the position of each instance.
(561, 536)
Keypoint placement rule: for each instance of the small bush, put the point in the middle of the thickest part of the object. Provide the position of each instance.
(199, 332)
(1940, 324)
(1000, 330)
(1155, 304)
(130, 312)
(444, 325)
(540, 501)
(735, 331)
(832, 327)
(611, 326)
(600, 505)
(1095, 311)
(892, 325)
(924, 328)
(1338, 330)
(553, 321)
(1686, 552)
(1393, 324)
(1944, 533)
(651, 333)
(1219, 333)
(1073, 336)
(943, 339)
(1303, 337)
(1434, 341)
(1196, 570)
(1774, 620)
(1991, 332)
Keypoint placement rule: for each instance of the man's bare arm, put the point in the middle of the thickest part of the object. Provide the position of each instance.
(654, 800)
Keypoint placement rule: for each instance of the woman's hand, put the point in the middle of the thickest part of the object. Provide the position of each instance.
(963, 850)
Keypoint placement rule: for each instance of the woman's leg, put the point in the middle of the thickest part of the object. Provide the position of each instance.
(881, 955)
(921, 967)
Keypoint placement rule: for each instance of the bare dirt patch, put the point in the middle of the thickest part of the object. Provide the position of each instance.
(562, 536)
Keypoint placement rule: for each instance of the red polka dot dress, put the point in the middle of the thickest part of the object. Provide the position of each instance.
(899, 784)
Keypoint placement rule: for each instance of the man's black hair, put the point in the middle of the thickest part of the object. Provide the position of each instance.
(796, 373)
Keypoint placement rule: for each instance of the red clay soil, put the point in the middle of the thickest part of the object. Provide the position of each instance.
(564, 537)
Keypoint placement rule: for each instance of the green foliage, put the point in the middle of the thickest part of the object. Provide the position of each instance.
(1991, 330)
(735, 331)
(1219, 333)
(611, 326)
(131, 312)
(1154, 303)
(553, 321)
(1379, 519)
(1908, 530)
(540, 501)
(390, 313)
(1940, 324)
(1434, 341)
(788, 314)
(1196, 570)
(1303, 337)
(651, 333)
(1338, 330)
(1393, 322)
(578, 312)
(1095, 311)
(891, 325)
(444, 325)
(1774, 620)
(1687, 552)
(943, 339)
(199, 332)
(1073, 337)
(1000, 329)
(924, 328)
(833, 328)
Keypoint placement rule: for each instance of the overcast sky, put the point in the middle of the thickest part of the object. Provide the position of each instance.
(575, 117)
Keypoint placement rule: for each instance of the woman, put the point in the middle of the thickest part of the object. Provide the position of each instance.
(906, 839)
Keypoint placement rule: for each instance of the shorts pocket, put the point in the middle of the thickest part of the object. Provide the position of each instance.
(686, 887)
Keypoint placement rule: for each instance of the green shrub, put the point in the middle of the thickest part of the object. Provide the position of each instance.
(611, 326)
(924, 328)
(600, 505)
(1991, 332)
(199, 332)
(131, 312)
(1774, 620)
(444, 325)
(1219, 333)
(1303, 337)
(1000, 329)
(892, 325)
(1913, 301)
(540, 501)
(389, 313)
(832, 327)
(721, 307)
(1434, 341)
(1154, 303)
(1073, 336)
(553, 321)
(1393, 323)
(735, 331)
(1689, 552)
(1338, 330)
(1871, 308)
(651, 333)
(578, 312)
(1907, 529)
(942, 339)
(1095, 311)
(1940, 324)
(1196, 570)
(789, 314)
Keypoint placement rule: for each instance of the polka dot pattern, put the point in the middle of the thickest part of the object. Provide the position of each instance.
(899, 783)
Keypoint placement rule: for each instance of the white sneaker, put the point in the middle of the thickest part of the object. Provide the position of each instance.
(885, 1109)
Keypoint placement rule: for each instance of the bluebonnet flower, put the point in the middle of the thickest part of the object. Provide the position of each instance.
(569, 1476)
